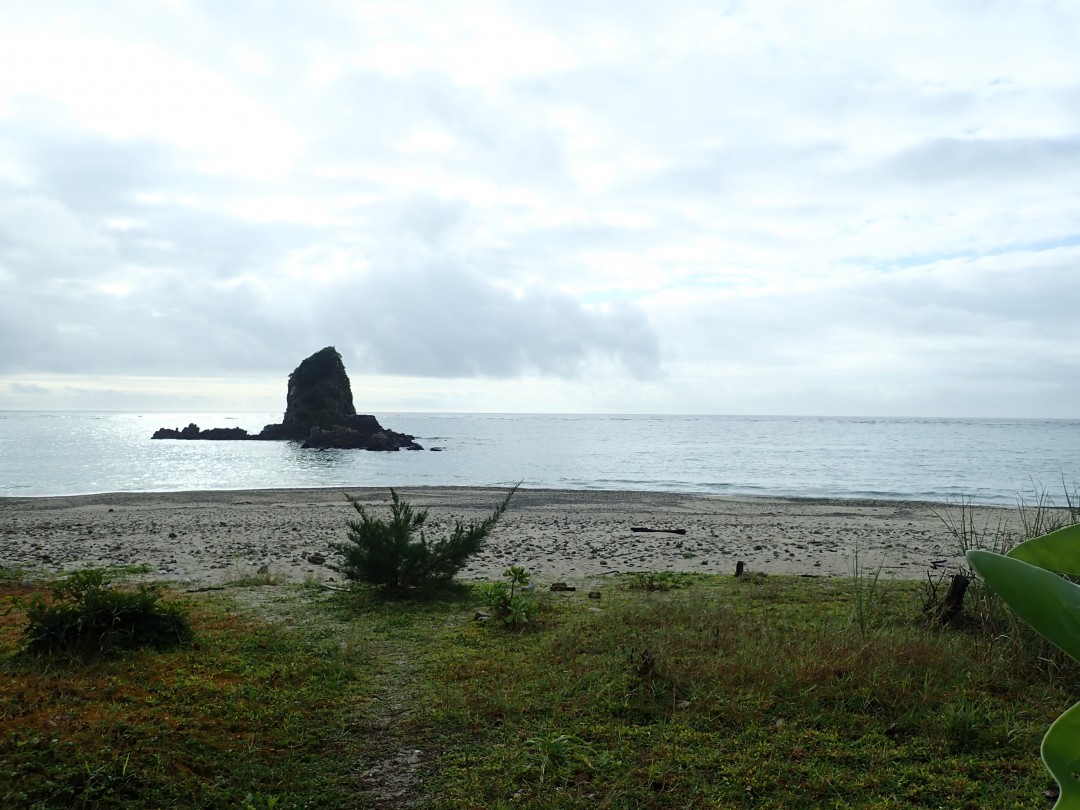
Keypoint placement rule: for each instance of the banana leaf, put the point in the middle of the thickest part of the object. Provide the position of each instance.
(1044, 599)
(1060, 749)
(1050, 604)
(1057, 551)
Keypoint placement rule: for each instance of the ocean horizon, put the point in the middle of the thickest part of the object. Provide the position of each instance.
(984, 460)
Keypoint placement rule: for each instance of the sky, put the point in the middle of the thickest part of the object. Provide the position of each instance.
(833, 208)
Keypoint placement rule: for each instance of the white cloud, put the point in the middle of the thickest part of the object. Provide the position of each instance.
(696, 206)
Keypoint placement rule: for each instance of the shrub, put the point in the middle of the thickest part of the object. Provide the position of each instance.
(507, 601)
(398, 556)
(86, 616)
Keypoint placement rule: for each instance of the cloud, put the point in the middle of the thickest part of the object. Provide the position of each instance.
(442, 321)
(699, 206)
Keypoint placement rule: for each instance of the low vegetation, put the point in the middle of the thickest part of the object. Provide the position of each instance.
(511, 600)
(653, 689)
(84, 615)
(665, 692)
(397, 555)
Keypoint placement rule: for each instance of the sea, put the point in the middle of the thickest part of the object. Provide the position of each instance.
(983, 461)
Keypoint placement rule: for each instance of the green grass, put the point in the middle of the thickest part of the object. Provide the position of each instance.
(709, 692)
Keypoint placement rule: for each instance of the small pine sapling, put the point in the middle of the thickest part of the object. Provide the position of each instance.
(397, 555)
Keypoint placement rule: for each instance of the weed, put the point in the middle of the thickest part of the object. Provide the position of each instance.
(508, 601)
(553, 754)
(265, 575)
(257, 801)
(657, 580)
(85, 615)
(864, 593)
(965, 725)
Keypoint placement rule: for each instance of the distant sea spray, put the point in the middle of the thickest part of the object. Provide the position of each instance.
(987, 460)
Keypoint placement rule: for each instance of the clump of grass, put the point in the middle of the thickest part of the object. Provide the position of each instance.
(658, 580)
(85, 615)
(265, 575)
(998, 531)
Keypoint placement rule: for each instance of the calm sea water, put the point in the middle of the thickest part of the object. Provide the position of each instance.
(988, 460)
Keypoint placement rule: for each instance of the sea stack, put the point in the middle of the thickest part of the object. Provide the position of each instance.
(319, 396)
(319, 411)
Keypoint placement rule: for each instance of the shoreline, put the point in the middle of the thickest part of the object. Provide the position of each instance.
(208, 538)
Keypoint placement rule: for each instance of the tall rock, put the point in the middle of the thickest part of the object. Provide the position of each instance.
(319, 395)
(319, 412)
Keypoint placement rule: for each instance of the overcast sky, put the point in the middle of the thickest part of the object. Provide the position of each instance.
(691, 207)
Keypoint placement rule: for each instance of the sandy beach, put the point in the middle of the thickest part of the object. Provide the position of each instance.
(210, 538)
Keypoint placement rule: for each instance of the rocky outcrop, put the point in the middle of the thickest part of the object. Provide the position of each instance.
(319, 396)
(319, 411)
(192, 432)
(365, 434)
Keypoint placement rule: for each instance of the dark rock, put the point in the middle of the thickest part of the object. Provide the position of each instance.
(361, 433)
(223, 434)
(192, 432)
(319, 412)
(316, 559)
(561, 586)
(435, 449)
(319, 396)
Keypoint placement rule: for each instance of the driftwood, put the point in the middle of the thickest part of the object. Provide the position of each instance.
(661, 531)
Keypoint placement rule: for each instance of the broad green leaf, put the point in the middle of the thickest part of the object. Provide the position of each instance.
(1061, 753)
(1045, 600)
(1057, 551)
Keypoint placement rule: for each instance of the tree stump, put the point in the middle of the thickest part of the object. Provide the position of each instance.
(952, 605)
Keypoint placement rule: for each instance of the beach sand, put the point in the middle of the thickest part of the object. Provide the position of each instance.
(211, 538)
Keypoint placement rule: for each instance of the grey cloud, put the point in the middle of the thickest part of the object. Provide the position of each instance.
(980, 161)
(439, 321)
(446, 322)
(960, 321)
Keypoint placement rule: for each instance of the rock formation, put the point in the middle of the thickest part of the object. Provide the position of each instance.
(319, 411)
(192, 432)
(319, 396)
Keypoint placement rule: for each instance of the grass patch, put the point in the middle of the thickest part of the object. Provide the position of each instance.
(83, 615)
(237, 577)
(248, 709)
(784, 692)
